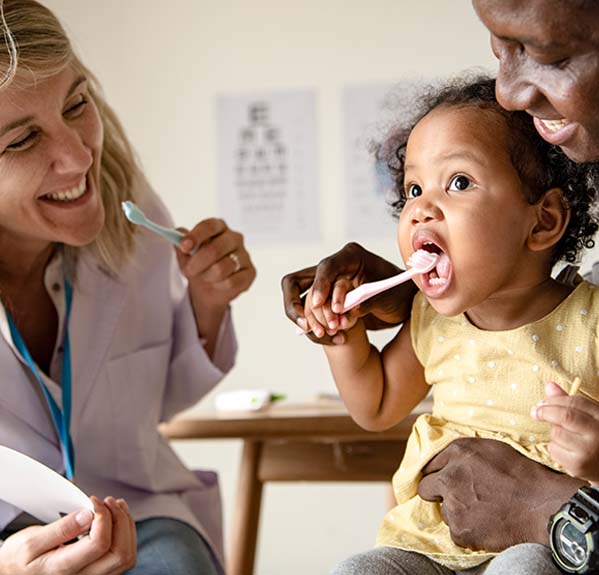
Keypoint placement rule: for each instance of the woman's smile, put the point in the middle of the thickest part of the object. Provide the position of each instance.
(50, 156)
(68, 195)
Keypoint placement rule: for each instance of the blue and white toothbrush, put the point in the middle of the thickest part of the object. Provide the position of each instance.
(136, 216)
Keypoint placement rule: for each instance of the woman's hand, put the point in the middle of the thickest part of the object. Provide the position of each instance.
(110, 548)
(214, 260)
(574, 431)
(339, 273)
(482, 483)
(218, 267)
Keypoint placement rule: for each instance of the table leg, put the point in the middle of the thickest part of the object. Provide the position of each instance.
(246, 513)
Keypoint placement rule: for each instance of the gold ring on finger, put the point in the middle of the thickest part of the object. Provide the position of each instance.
(235, 259)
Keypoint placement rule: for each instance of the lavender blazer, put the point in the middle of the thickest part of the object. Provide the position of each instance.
(136, 361)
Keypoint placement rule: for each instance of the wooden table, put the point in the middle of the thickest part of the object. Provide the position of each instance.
(302, 442)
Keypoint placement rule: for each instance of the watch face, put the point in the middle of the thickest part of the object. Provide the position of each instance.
(571, 544)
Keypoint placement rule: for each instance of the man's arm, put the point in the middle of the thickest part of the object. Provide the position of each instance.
(492, 496)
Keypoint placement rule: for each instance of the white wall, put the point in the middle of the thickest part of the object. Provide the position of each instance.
(161, 64)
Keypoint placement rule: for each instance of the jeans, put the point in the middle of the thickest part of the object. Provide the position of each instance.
(170, 547)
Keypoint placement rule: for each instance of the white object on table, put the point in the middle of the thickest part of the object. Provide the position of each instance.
(245, 399)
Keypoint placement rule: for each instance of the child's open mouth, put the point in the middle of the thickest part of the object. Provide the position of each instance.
(436, 281)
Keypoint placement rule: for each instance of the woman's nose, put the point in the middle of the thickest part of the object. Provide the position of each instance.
(71, 154)
(515, 88)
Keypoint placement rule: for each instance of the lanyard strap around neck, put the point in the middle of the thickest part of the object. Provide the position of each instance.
(61, 419)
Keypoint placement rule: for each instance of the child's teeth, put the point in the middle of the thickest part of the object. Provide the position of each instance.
(434, 279)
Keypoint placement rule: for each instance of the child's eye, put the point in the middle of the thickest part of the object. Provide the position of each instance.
(413, 191)
(460, 183)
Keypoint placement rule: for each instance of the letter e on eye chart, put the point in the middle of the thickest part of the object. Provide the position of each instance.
(267, 165)
(369, 111)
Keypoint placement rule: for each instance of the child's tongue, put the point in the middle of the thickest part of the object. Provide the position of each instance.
(443, 266)
(439, 275)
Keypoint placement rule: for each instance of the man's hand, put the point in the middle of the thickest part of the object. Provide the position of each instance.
(339, 273)
(492, 496)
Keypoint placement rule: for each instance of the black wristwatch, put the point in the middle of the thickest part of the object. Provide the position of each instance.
(574, 533)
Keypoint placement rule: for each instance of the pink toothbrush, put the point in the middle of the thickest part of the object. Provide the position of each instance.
(419, 262)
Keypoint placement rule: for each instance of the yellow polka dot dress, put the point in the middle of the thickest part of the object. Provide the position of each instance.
(484, 385)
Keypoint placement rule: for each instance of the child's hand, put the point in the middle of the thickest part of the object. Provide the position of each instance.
(574, 433)
(338, 274)
(322, 320)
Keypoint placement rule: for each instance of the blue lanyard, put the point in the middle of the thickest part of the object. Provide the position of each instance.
(62, 419)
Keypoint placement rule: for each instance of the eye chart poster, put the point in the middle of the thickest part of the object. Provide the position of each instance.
(368, 113)
(267, 165)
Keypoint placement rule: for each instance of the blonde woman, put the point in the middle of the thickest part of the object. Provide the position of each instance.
(105, 330)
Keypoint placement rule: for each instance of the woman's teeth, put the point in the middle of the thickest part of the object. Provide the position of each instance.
(554, 125)
(69, 195)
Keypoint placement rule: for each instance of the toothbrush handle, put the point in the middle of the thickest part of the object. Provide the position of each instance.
(170, 234)
(368, 290)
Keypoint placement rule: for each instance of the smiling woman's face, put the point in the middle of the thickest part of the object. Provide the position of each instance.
(548, 52)
(50, 150)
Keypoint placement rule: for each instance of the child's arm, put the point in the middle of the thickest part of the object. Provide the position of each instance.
(379, 389)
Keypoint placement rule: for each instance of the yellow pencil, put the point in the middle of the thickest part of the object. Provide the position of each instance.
(575, 386)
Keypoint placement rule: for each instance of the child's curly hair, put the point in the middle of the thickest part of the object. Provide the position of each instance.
(540, 165)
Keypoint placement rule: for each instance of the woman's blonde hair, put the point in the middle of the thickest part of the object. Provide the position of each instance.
(34, 41)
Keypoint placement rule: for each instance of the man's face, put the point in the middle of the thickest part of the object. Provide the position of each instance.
(548, 52)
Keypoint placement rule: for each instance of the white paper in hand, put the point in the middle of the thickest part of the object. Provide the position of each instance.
(37, 489)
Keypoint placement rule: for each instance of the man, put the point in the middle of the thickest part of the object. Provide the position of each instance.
(548, 52)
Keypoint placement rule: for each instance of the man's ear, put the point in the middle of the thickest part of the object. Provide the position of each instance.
(552, 218)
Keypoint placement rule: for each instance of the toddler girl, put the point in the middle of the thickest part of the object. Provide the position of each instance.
(489, 327)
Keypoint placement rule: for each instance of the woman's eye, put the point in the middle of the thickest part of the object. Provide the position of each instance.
(413, 191)
(76, 108)
(460, 183)
(23, 143)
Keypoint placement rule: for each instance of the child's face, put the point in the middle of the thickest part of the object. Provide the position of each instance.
(465, 201)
